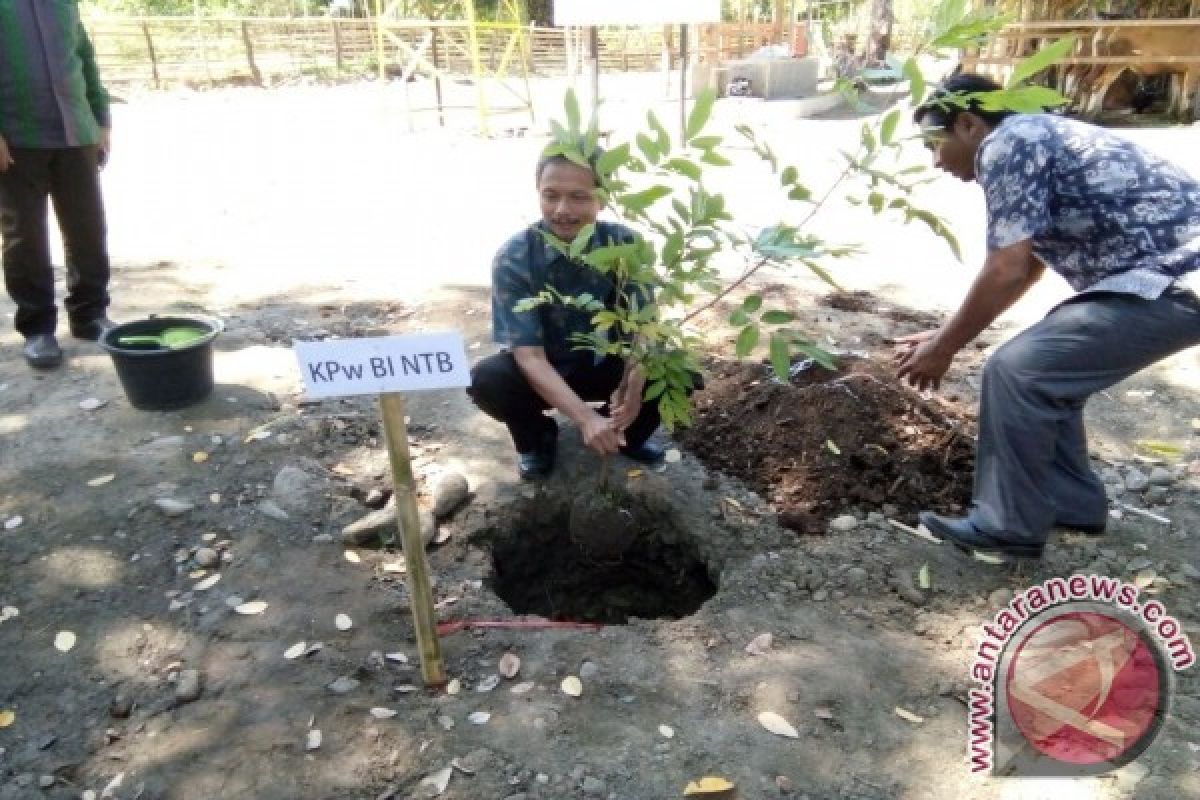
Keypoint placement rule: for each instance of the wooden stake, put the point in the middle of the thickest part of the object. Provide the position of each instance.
(420, 591)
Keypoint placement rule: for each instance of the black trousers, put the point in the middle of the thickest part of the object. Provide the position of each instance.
(501, 391)
(70, 178)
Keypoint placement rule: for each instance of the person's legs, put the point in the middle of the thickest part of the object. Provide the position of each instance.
(28, 275)
(1031, 463)
(501, 391)
(75, 189)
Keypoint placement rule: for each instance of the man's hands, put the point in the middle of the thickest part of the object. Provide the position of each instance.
(601, 434)
(104, 147)
(6, 159)
(922, 359)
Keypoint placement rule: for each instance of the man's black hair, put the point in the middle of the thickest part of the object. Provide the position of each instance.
(547, 160)
(947, 101)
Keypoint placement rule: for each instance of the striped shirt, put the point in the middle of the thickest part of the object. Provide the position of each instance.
(50, 91)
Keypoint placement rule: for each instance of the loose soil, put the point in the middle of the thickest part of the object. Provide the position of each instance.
(832, 440)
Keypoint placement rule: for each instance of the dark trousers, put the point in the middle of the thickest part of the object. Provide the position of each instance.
(69, 177)
(501, 391)
(1032, 469)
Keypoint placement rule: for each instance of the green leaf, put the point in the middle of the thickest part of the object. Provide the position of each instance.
(916, 81)
(706, 142)
(672, 248)
(572, 106)
(739, 317)
(815, 352)
(701, 111)
(747, 340)
(868, 138)
(1041, 60)
(778, 317)
(923, 577)
(752, 303)
(681, 210)
(716, 159)
(662, 138)
(575, 157)
(800, 193)
(887, 128)
(1022, 99)
(582, 239)
(613, 160)
(789, 176)
(655, 389)
(939, 227)
(648, 148)
(781, 359)
(684, 167)
(642, 200)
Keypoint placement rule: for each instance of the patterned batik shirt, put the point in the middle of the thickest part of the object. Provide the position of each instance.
(1102, 212)
(525, 266)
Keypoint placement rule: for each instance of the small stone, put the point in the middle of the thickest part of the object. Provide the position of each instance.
(1000, 598)
(820, 595)
(907, 590)
(367, 532)
(593, 786)
(25, 779)
(92, 403)
(1161, 476)
(268, 508)
(856, 577)
(446, 722)
(877, 520)
(588, 670)
(121, 705)
(449, 493)
(374, 499)
(1110, 475)
(843, 524)
(784, 784)
(172, 507)
(1136, 480)
(343, 685)
(1190, 572)
(1156, 495)
(1140, 564)
(188, 687)
(46, 781)
(207, 557)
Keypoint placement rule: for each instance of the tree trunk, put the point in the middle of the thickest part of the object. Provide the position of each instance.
(882, 18)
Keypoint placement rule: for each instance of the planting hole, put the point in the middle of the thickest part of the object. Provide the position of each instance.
(538, 569)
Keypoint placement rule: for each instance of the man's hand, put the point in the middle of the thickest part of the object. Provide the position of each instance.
(626, 400)
(922, 359)
(6, 159)
(104, 147)
(601, 434)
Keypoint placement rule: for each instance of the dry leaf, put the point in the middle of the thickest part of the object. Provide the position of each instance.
(454, 686)
(383, 713)
(313, 740)
(777, 725)
(760, 644)
(522, 688)
(488, 683)
(634, 473)
(572, 685)
(101, 480)
(12, 523)
(439, 780)
(295, 651)
(9, 612)
(405, 688)
(207, 583)
(443, 535)
(987, 558)
(923, 577)
(352, 557)
(666, 731)
(399, 658)
(343, 622)
(7, 718)
(510, 665)
(709, 784)
(823, 712)
(251, 608)
(64, 641)
(315, 647)
(833, 448)
(478, 717)
(1144, 578)
(342, 469)
(256, 436)
(197, 573)
(395, 567)
(199, 457)
(673, 456)
(904, 713)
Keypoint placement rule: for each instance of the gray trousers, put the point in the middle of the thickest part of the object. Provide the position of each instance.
(1032, 469)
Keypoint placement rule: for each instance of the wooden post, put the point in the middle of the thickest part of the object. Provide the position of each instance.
(337, 44)
(683, 82)
(593, 34)
(437, 78)
(255, 75)
(420, 590)
(153, 56)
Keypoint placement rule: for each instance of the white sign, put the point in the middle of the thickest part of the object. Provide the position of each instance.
(340, 367)
(635, 12)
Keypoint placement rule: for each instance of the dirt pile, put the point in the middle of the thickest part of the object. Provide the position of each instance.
(829, 441)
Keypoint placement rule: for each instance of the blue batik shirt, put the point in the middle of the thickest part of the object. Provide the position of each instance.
(525, 266)
(1102, 212)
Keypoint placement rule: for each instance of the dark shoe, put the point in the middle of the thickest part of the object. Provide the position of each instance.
(648, 452)
(1086, 530)
(539, 462)
(93, 329)
(42, 351)
(963, 534)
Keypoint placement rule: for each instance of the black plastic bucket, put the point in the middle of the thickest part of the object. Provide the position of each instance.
(158, 378)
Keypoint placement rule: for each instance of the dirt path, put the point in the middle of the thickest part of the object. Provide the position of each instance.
(326, 241)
